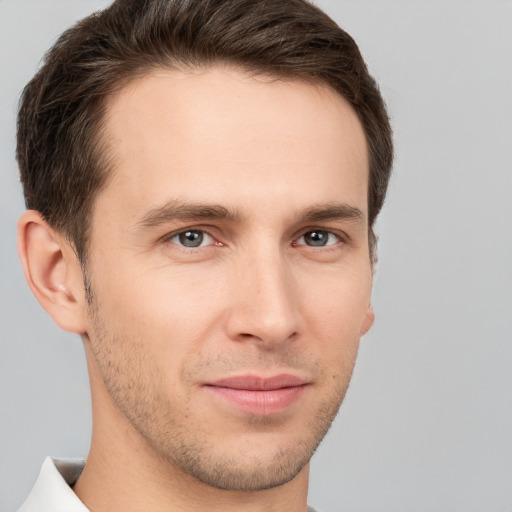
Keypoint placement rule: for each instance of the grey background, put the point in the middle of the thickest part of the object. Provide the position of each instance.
(427, 422)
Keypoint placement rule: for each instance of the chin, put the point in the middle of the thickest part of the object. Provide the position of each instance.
(251, 473)
(262, 460)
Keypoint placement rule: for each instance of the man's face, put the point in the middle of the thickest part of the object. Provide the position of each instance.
(229, 269)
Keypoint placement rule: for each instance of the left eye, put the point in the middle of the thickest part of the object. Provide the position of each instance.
(192, 238)
(318, 238)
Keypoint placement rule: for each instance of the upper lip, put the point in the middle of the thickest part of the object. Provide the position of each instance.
(258, 383)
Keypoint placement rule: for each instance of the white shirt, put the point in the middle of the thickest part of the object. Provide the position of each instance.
(52, 492)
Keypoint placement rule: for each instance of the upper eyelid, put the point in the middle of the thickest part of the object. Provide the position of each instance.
(336, 232)
(172, 234)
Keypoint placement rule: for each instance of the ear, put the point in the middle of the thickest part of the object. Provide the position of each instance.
(52, 271)
(369, 318)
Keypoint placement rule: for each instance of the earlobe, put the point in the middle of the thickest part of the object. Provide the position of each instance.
(369, 318)
(52, 271)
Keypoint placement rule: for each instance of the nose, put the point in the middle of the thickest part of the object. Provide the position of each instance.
(263, 305)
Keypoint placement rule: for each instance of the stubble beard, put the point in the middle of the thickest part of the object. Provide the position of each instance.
(122, 365)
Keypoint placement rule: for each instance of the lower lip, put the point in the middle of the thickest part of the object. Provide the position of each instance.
(260, 402)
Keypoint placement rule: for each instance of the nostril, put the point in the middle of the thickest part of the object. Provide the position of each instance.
(269, 338)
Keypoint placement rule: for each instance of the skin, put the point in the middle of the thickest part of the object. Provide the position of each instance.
(254, 166)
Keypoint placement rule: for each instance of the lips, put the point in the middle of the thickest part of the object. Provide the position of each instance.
(259, 395)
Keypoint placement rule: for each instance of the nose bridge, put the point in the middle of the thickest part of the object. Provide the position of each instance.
(264, 299)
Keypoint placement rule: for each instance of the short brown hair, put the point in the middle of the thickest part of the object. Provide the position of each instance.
(62, 160)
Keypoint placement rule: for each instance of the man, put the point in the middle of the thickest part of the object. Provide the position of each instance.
(202, 179)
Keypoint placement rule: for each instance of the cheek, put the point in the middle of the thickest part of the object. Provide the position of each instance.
(334, 313)
(337, 302)
(175, 312)
(168, 313)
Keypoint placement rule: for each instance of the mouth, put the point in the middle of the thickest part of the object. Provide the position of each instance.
(259, 395)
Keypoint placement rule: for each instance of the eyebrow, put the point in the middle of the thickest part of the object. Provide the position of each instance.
(173, 210)
(332, 212)
(177, 210)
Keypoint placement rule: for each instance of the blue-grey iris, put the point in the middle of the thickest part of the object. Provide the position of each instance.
(316, 238)
(191, 238)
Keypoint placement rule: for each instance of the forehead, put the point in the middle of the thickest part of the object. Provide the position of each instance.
(220, 135)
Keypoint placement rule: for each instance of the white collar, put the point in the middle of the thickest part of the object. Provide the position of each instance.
(52, 491)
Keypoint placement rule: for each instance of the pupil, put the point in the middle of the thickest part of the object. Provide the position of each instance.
(191, 238)
(316, 238)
